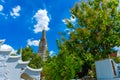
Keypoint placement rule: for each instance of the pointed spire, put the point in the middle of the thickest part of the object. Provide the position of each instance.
(43, 33)
(43, 45)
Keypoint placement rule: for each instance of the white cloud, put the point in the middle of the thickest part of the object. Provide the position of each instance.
(52, 53)
(64, 21)
(1, 7)
(1, 13)
(72, 20)
(67, 30)
(31, 42)
(42, 21)
(15, 11)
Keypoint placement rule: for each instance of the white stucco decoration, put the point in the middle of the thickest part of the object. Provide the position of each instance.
(13, 68)
(34, 69)
(23, 62)
(6, 47)
(17, 56)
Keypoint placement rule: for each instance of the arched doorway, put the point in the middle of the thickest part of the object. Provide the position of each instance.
(25, 76)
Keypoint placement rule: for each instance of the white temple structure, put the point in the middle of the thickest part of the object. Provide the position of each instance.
(13, 68)
(107, 70)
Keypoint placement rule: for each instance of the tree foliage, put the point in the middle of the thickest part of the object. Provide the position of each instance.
(26, 53)
(97, 26)
(35, 62)
(95, 32)
(29, 55)
(61, 67)
(92, 36)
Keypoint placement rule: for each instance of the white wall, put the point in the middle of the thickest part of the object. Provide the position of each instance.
(104, 69)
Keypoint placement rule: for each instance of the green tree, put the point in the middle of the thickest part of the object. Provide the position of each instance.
(28, 55)
(95, 32)
(63, 66)
(92, 36)
(35, 62)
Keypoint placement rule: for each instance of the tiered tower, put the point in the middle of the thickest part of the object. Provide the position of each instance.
(43, 46)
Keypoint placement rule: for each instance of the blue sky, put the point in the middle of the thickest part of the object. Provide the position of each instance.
(21, 21)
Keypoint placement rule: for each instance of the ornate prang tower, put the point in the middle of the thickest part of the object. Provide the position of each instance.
(43, 46)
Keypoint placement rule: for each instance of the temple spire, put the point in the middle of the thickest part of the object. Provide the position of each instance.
(43, 45)
(43, 33)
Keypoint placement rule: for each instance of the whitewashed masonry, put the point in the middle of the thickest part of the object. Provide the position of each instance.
(13, 68)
